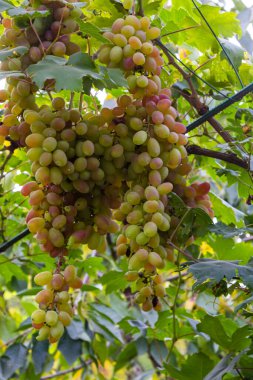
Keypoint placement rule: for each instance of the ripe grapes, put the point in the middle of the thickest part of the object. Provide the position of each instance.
(97, 173)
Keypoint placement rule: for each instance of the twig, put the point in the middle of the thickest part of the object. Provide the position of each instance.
(173, 309)
(38, 37)
(227, 157)
(179, 224)
(222, 47)
(70, 370)
(7, 158)
(9, 243)
(110, 245)
(141, 10)
(24, 333)
(81, 102)
(72, 95)
(186, 254)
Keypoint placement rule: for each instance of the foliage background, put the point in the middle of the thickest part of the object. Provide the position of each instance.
(205, 328)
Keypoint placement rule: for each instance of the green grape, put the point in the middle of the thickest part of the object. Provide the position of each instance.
(38, 316)
(51, 318)
(116, 54)
(43, 278)
(137, 261)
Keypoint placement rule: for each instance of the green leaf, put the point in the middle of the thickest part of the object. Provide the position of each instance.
(92, 265)
(71, 349)
(13, 359)
(39, 354)
(4, 5)
(212, 326)
(218, 270)
(228, 249)
(67, 76)
(229, 231)
(222, 368)
(27, 14)
(177, 204)
(113, 78)
(8, 270)
(5, 53)
(243, 304)
(99, 345)
(195, 368)
(114, 280)
(91, 30)
(225, 212)
(29, 292)
(7, 74)
(235, 52)
(241, 338)
(76, 331)
(126, 355)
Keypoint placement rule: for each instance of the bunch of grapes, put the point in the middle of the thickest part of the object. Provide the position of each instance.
(55, 308)
(97, 173)
(153, 145)
(132, 50)
(40, 37)
(50, 34)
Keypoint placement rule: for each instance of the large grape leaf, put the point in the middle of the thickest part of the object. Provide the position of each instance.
(217, 270)
(67, 76)
(225, 212)
(229, 231)
(194, 368)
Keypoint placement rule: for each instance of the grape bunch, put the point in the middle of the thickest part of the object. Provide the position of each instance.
(155, 155)
(94, 173)
(71, 196)
(40, 37)
(55, 308)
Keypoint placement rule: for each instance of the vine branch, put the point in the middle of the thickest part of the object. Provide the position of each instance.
(227, 157)
(65, 372)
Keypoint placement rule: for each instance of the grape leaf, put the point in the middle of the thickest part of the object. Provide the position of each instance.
(26, 14)
(225, 212)
(219, 269)
(19, 50)
(7, 74)
(4, 5)
(229, 231)
(67, 76)
(91, 30)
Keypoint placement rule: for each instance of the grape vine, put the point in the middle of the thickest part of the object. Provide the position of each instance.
(109, 171)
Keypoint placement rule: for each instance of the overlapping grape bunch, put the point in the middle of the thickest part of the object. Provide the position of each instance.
(40, 37)
(94, 174)
(157, 163)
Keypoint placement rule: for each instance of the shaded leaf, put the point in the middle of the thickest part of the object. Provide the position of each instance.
(68, 77)
(70, 348)
(222, 368)
(218, 270)
(19, 50)
(39, 354)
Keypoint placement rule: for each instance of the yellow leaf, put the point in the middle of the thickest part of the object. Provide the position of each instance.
(206, 248)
